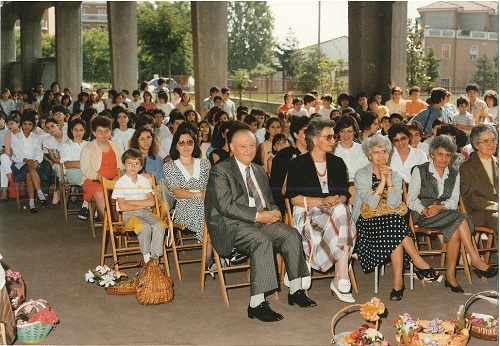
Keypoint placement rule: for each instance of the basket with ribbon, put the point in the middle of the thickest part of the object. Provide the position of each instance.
(34, 321)
(367, 333)
(15, 287)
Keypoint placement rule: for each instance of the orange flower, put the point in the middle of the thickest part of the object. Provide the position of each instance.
(370, 310)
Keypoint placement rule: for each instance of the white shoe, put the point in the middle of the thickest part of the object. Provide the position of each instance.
(345, 297)
(344, 286)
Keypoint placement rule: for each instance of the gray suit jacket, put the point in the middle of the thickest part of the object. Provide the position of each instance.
(227, 202)
(477, 190)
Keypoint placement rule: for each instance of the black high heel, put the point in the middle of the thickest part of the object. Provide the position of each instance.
(397, 295)
(428, 273)
(455, 289)
(488, 273)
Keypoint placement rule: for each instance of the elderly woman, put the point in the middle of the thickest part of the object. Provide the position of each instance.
(186, 177)
(346, 128)
(388, 235)
(100, 158)
(433, 198)
(318, 187)
(404, 157)
(479, 178)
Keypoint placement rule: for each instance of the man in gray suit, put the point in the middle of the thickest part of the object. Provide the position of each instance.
(240, 213)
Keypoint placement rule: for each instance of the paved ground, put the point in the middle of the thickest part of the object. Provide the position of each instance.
(53, 257)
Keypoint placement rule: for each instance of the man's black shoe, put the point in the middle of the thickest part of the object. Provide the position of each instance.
(235, 258)
(264, 313)
(301, 299)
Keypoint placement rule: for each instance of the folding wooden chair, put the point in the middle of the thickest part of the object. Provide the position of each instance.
(483, 239)
(66, 194)
(3, 336)
(114, 230)
(222, 270)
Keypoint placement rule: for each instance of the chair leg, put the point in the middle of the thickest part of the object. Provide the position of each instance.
(18, 201)
(176, 260)
(165, 260)
(353, 279)
(222, 282)
(91, 217)
(203, 272)
(376, 280)
(411, 276)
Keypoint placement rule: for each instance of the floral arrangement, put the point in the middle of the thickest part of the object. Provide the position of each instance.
(427, 331)
(104, 276)
(367, 333)
(36, 311)
(16, 294)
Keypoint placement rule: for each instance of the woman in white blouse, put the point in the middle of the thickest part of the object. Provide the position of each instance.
(27, 155)
(346, 130)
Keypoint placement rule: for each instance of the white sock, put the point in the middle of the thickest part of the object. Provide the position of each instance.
(147, 256)
(256, 300)
(85, 204)
(40, 195)
(295, 285)
(32, 203)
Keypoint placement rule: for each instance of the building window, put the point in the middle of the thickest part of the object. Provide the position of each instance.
(86, 27)
(102, 10)
(85, 9)
(445, 83)
(445, 51)
(473, 52)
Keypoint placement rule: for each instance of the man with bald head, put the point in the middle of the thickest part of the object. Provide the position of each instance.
(241, 214)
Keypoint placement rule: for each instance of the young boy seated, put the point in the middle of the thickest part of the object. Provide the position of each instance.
(463, 120)
(135, 198)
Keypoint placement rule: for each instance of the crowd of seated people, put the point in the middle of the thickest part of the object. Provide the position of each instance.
(311, 150)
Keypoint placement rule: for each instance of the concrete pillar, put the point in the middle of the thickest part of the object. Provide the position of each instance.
(122, 24)
(209, 24)
(69, 68)
(31, 45)
(377, 46)
(8, 50)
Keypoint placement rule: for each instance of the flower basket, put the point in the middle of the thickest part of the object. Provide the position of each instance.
(368, 333)
(441, 339)
(35, 320)
(17, 295)
(484, 327)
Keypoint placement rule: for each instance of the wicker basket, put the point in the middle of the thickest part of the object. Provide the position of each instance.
(152, 286)
(17, 291)
(441, 338)
(122, 288)
(483, 332)
(336, 338)
(35, 332)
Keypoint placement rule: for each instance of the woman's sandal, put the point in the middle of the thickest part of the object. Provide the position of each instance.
(397, 295)
(428, 273)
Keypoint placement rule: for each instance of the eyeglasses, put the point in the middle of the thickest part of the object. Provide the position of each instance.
(103, 131)
(147, 138)
(328, 137)
(489, 141)
(402, 139)
(133, 164)
(189, 142)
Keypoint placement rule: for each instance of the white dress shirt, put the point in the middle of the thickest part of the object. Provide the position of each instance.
(416, 157)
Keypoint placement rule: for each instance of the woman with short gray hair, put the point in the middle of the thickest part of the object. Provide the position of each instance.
(433, 198)
(479, 178)
(385, 236)
(318, 186)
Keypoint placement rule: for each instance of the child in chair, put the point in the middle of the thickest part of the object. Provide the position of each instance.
(135, 198)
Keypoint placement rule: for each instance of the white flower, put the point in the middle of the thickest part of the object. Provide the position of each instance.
(107, 281)
(373, 334)
(89, 276)
(102, 269)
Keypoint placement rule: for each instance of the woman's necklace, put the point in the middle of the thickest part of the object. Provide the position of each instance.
(321, 175)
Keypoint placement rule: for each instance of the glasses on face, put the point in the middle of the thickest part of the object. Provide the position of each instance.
(146, 138)
(328, 137)
(103, 131)
(489, 141)
(133, 164)
(400, 139)
(189, 142)
(51, 126)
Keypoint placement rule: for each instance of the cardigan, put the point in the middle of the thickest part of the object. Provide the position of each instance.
(91, 157)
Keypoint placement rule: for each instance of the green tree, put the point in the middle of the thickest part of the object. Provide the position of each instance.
(48, 46)
(250, 40)
(284, 51)
(96, 59)
(486, 75)
(415, 69)
(261, 70)
(165, 39)
(431, 64)
(241, 81)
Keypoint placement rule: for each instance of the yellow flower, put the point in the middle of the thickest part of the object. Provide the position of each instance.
(370, 310)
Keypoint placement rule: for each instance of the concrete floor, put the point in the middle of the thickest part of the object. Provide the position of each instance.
(53, 257)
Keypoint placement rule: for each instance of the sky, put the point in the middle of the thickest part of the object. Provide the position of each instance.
(302, 18)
